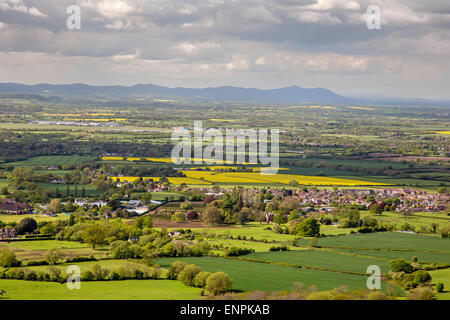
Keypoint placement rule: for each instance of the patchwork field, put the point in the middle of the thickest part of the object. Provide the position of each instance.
(387, 240)
(249, 276)
(254, 178)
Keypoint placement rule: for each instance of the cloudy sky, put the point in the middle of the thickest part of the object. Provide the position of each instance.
(248, 43)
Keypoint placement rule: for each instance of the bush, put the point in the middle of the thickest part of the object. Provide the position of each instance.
(8, 258)
(439, 287)
(88, 276)
(421, 277)
(175, 268)
(218, 283)
(99, 272)
(53, 256)
(445, 232)
(55, 273)
(200, 279)
(30, 275)
(365, 229)
(114, 276)
(188, 274)
(192, 215)
(277, 228)
(27, 225)
(308, 228)
(376, 296)
(421, 294)
(399, 265)
(280, 248)
(234, 252)
(80, 259)
(125, 250)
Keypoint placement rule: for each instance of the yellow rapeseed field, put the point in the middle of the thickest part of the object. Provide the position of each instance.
(169, 160)
(112, 158)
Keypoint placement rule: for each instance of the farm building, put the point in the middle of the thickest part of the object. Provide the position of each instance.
(10, 206)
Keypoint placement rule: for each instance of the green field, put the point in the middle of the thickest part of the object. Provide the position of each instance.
(39, 218)
(407, 255)
(254, 229)
(99, 290)
(417, 219)
(87, 265)
(386, 240)
(45, 245)
(444, 277)
(257, 246)
(248, 276)
(35, 250)
(322, 259)
(90, 190)
(44, 161)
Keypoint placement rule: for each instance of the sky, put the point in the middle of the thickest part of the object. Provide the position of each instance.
(247, 43)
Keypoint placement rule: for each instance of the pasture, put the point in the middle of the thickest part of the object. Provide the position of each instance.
(112, 265)
(444, 277)
(89, 190)
(387, 255)
(99, 290)
(36, 249)
(47, 161)
(248, 276)
(6, 218)
(416, 219)
(322, 259)
(386, 240)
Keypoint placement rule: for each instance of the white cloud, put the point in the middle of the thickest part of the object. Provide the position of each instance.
(325, 5)
(315, 17)
(260, 61)
(192, 48)
(20, 6)
(111, 9)
(238, 63)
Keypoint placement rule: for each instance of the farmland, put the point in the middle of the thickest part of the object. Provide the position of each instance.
(266, 277)
(85, 161)
(48, 161)
(245, 178)
(106, 290)
(331, 260)
(392, 240)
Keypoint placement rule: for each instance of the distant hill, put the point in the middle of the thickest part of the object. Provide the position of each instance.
(284, 95)
(287, 95)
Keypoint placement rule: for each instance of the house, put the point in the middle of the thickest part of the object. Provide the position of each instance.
(58, 181)
(10, 206)
(80, 202)
(133, 239)
(174, 234)
(100, 203)
(8, 233)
